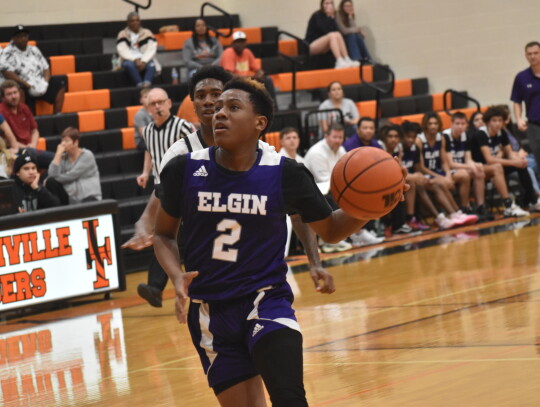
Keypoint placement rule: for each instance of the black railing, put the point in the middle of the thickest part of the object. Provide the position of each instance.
(229, 19)
(138, 6)
(386, 88)
(462, 95)
(312, 131)
(294, 61)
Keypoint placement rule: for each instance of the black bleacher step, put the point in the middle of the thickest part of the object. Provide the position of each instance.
(72, 46)
(131, 209)
(120, 162)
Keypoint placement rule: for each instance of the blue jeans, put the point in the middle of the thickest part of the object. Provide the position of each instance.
(135, 75)
(357, 47)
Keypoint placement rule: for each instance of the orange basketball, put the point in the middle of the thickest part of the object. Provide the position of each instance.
(367, 182)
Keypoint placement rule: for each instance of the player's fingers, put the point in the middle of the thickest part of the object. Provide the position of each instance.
(329, 283)
(181, 314)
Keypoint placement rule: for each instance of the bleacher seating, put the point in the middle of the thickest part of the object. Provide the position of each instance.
(101, 102)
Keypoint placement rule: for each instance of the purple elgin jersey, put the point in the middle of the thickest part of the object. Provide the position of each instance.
(235, 240)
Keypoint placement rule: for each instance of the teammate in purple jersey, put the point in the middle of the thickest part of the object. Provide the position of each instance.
(233, 199)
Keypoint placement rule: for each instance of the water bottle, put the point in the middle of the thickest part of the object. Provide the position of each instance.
(174, 76)
(114, 62)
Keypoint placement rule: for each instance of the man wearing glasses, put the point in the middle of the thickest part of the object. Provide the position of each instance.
(159, 135)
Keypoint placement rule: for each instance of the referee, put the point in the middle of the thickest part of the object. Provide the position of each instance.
(159, 135)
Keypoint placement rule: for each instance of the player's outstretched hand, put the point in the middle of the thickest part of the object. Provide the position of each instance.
(143, 236)
(319, 274)
(181, 286)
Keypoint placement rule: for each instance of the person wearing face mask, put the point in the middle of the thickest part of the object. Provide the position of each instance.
(323, 35)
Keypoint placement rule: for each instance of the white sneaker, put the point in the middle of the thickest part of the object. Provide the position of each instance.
(443, 222)
(515, 210)
(462, 219)
(365, 238)
(336, 247)
(351, 62)
(341, 63)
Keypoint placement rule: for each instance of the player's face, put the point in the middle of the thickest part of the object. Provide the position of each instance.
(478, 121)
(366, 130)
(200, 27)
(495, 124)
(533, 55)
(21, 40)
(12, 96)
(290, 141)
(134, 24)
(235, 123)
(392, 140)
(336, 92)
(458, 126)
(27, 173)
(335, 139)
(207, 92)
(409, 139)
(432, 126)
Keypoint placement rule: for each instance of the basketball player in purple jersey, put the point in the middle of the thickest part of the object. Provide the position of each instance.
(232, 199)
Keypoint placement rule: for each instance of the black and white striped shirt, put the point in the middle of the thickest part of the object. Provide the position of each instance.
(159, 139)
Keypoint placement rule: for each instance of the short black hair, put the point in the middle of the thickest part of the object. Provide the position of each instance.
(208, 72)
(494, 111)
(410, 127)
(532, 44)
(364, 119)
(258, 96)
(458, 115)
(388, 128)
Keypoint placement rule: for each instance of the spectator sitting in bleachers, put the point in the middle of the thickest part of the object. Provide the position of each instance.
(458, 150)
(75, 170)
(410, 159)
(434, 164)
(239, 60)
(490, 145)
(137, 49)
(201, 49)
(141, 119)
(6, 160)
(22, 122)
(290, 141)
(6, 133)
(364, 137)
(26, 65)
(323, 35)
(29, 194)
(475, 122)
(337, 101)
(354, 36)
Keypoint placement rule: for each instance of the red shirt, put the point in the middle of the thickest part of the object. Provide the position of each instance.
(22, 122)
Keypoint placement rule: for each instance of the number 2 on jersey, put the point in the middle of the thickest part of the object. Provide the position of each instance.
(219, 252)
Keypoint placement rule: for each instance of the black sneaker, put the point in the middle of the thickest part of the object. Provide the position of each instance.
(151, 294)
(483, 214)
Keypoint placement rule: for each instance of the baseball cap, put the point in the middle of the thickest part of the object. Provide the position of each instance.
(24, 158)
(19, 28)
(239, 35)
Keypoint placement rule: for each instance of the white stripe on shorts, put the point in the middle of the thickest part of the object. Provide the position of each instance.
(207, 339)
(254, 314)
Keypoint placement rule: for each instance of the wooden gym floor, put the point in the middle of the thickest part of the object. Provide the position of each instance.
(442, 319)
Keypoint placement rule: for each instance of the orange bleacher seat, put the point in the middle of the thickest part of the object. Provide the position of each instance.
(438, 101)
(186, 111)
(414, 118)
(175, 40)
(367, 108)
(403, 88)
(43, 108)
(87, 100)
(81, 81)
(62, 64)
(273, 139)
(288, 47)
(41, 144)
(253, 35)
(131, 112)
(321, 78)
(128, 138)
(93, 120)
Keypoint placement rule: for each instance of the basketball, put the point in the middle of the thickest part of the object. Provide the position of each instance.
(367, 182)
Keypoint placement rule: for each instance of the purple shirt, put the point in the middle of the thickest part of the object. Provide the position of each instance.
(527, 89)
(354, 142)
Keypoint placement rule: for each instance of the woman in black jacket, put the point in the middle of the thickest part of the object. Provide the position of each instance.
(323, 35)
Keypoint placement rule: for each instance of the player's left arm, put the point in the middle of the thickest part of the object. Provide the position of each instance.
(308, 238)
